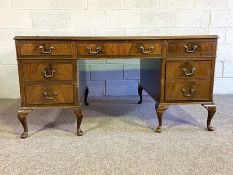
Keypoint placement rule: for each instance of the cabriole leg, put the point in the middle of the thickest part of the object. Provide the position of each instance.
(211, 111)
(22, 114)
(140, 89)
(86, 95)
(79, 115)
(160, 108)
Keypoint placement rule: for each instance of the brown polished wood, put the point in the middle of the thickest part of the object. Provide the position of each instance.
(174, 70)
(45, 48)
(47, 71)
(187, 91)
(191, 48)
(160, 109)
(119, 49)
(188, 69)
(79, 115)
(211, 111)
(22, 114)
(49, 94)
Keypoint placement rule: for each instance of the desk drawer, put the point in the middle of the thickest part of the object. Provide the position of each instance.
(188, 91)
(48, 71)
(189, 69)
(191, 48)
(46, 48)
(37, 94)
(120, 49)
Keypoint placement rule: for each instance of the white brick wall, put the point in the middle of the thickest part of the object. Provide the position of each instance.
(192, 18)
(114, 18)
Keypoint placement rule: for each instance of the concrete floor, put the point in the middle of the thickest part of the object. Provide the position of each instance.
(119, 139)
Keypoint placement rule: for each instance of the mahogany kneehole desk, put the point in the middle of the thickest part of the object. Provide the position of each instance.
(174, 70)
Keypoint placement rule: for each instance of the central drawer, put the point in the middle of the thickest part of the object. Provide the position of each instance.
(119, 49)
(38, 94)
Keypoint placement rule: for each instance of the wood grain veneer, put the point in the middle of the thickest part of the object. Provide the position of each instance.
(174, 70)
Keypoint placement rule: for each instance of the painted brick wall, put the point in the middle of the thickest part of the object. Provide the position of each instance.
(114, 18)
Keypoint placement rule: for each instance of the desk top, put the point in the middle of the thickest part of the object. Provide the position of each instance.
(114, 37)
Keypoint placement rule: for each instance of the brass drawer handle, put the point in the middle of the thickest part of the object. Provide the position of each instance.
(97, 50)
(51, 97)
(189, 73)
(46, 50)
(188, 93)
(48, 73)
(146, 51)
(192, 49)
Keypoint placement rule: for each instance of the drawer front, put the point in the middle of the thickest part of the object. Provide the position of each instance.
(188, 91)
(191, 48)
(47, 71)
(119, 49)
(36, 94)
(46, 48)
(189, 69)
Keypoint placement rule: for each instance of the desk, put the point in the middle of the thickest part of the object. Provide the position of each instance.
(173, 69)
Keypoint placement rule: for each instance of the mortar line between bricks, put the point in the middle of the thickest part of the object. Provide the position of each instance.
(105, 19)
(69, 21)
(77, 28)
(223, 65)
(210, 17)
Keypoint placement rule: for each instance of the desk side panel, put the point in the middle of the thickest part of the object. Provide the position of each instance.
(150, 74)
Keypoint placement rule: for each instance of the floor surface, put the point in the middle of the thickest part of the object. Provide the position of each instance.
(119, 139)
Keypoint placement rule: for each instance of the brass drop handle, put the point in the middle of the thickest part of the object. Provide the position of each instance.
(97, 50)
(45, 49)
(50, 97)
(187, 73)
(146, 51)
(188, 93)
(192, 49)
(48, 73)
